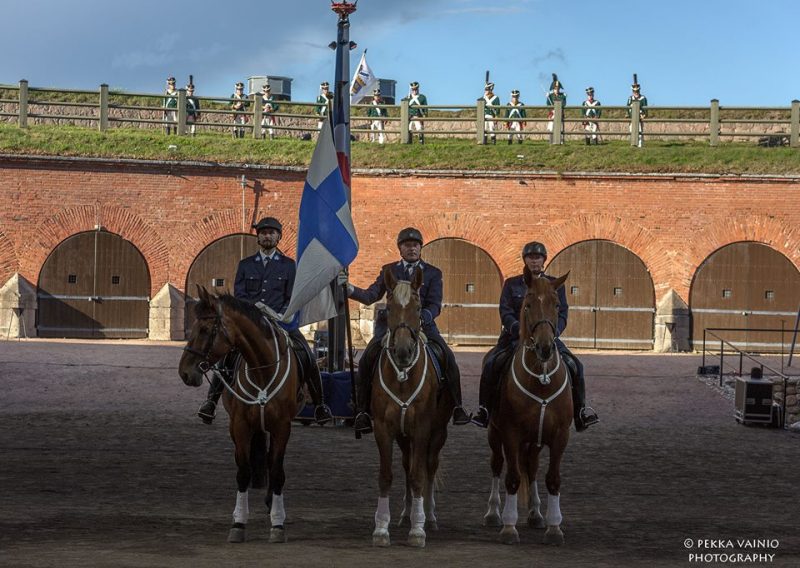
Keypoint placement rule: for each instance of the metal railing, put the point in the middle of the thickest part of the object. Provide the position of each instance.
(105, 109)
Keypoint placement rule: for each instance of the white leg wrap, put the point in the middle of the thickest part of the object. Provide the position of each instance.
(417, 513)
(242, 512)
(382, 514)
(277, 514)
(553, 517)
(510, 513)
(494, 496)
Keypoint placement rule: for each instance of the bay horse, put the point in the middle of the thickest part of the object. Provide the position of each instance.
(408, 407)
(534, 409)
(261, 402)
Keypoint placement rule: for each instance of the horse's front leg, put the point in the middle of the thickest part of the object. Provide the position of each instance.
(418, 466)
(492, 516)
(405, 516)
(277, 477)
(241, 436)
(380, 536)
(511, 443)
(535, 518)
(554, 535)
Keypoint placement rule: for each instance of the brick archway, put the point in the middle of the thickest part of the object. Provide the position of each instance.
(9, 263)
(113, 219)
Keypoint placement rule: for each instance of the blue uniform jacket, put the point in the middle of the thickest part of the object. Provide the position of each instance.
(430, 294)
(514, 290)
(271, 284)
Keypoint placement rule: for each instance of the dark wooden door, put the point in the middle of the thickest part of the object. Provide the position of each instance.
(611, 296)
(472, 285)
(215, 268)
(745, 285)
(94, 285)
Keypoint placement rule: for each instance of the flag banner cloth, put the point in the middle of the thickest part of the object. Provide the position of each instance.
(364, 81)
(326, 237)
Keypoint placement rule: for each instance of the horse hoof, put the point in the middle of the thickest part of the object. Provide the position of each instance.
(277, 535)
(416, 538)
(381, 538)
(509, 535)
(536, 522)
(405, 521)
(236, 535)
(554, 536)
(431, 525)
(492, 520)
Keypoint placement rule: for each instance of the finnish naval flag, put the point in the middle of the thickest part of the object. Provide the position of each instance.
(326, 238)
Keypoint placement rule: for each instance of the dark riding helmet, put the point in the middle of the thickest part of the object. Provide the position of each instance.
(269, 223)
(534, 247)
(409, 234)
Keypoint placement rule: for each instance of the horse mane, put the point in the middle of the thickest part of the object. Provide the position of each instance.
(402, 292)
(246, 309)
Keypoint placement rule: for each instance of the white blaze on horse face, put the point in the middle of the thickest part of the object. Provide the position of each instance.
(510, 513)
(402, 293)
(553, 510)
(242, 511)
(277, 514)
(382, 514)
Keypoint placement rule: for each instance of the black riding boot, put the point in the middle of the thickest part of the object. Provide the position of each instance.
(584, 416)
(208, 410)
(485, 392)
(366, 366)
(312, 378)
(453, 378)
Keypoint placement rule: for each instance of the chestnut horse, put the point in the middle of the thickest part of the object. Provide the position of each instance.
(261, 402)
(408, 407)
(534, 409)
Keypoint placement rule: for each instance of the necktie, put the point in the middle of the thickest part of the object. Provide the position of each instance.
(409, 271)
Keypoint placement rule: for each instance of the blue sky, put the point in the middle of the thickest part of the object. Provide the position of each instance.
(685, 52)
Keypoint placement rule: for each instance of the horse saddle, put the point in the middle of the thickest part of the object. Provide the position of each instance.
(437, 358)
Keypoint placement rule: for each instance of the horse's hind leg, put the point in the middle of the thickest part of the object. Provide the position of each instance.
(554, 535)
(535, 518)
(380, 536)
(492, 516)
(405, 516)
(438, 440)
(277, 477)
(241, 438)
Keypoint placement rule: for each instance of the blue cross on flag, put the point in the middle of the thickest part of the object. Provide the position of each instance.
(326, 237)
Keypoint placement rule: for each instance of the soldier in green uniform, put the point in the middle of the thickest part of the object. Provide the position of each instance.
(171, 107)
(269, 107)
(377, 114)
(491, 111)
(416, 111)
(192, 109)
(323, 103)
(591, 110)
(515, 110)
(556, 93)
(239, 105)
(637, 95)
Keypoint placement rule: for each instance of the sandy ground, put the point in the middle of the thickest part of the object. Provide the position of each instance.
(103, 463)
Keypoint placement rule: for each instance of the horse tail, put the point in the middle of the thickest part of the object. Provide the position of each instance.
(258, 460)
(524, 491)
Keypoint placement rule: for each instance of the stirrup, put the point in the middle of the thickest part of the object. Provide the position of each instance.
(366, 420)
(481, 418)
(585, 417)
(460, 416)
(323, 414)
(204, 414)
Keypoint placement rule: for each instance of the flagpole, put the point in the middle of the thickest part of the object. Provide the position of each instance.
(338, 326)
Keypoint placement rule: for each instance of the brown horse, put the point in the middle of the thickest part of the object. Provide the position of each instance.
(534, 409)
(408, 407)
(262, 400)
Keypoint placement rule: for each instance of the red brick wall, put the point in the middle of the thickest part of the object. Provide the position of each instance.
(172, 211)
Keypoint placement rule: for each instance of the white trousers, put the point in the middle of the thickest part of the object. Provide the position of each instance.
(376, 126)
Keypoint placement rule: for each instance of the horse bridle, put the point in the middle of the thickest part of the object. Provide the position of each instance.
(204, 365)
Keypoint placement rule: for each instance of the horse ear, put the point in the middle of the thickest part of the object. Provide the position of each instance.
(527, 276)
(559, 282)
(202, 293)
(388, 278)
(416, 280)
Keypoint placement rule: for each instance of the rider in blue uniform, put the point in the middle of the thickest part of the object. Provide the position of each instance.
(514, 289)
(409, 242)
(267, 277)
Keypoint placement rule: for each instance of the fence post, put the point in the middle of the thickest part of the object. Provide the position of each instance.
(22, 120)
(405, 135)
(713, 130)
(103, 124)
(480, 121)
(558, 122)
(635, 118)
(257, 115)
(181, 126)
(794, 137)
